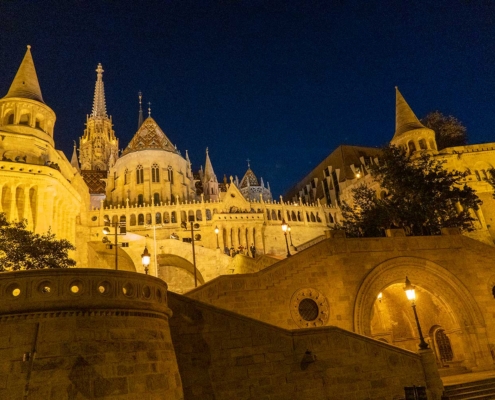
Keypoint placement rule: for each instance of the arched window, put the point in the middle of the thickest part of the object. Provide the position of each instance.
(140, 219)
(140, 199)
(274, 215)
(422, 144)
(190, 215)
(115, 218)
(122, 220)
(158, 218)
(166, 217)
(155, 173)
(288, 215)
(443, 345)
(331, 218)
(412, 146)
(37, 124)
(126, 176)
(148, 219)
(268, 216)
(173, 217)
(139, 174)
(432, 145)
(199, 215)
(208, 214)
(171, 175)
(24, 119)
(10, 119)
(156, 199)
(133, 220)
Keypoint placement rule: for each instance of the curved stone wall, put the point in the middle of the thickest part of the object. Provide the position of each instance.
(85, 333)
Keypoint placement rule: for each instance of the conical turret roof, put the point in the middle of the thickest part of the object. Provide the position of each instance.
(73, 161)
(209, 173)
(149, 136)
(405, 119)
(25, 83)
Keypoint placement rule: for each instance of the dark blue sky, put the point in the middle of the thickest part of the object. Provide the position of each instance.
(279, 82)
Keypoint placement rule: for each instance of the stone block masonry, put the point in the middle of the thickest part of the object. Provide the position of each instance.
(85, 333)
(223, 355)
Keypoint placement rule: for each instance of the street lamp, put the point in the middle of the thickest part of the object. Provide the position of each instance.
(411, 295)
(216, 232)
(284, 228)
(145, 258)
(193, 227)
(290, 235)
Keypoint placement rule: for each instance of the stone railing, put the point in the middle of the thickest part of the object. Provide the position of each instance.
(80, 290)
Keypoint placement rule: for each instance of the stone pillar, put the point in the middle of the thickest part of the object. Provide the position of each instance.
(434, 384)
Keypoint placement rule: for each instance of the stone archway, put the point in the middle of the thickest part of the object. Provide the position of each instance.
(438, 282)
(175, 270)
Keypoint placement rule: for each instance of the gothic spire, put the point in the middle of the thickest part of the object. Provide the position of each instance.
(25, 83)
(73, 161)
(405, 119)
(140, 118)
(209, 173)
(99, 106)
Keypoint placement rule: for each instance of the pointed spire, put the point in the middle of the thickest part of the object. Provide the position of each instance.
(99, 106)
(405, 119)
(73, 161)
(209, 173)
(25, 83)
(149, 109)
(140, 118)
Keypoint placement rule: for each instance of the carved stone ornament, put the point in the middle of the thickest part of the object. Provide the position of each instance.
(309, 308)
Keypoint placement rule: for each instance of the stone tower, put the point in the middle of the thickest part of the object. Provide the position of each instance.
(98, 146)
(210, 182)
(410, 133)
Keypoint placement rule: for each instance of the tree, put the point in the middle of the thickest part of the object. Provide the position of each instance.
(23, 249)
(449, 131)
(423, 197)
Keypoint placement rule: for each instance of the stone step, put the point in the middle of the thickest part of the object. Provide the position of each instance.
(479, 390)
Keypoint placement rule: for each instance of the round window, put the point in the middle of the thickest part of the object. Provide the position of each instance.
(308, 309)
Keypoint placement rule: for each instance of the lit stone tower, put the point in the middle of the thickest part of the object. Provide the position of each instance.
(210, 182)
(98, 147)
(410, 133)
(37, 182)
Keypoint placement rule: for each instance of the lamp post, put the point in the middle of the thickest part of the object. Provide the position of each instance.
(145, 258)
(284, 228)
(216, 232)
(290, 235)
(411, 295)
(193, 226)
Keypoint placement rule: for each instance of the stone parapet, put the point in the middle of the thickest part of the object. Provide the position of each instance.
(81, 289)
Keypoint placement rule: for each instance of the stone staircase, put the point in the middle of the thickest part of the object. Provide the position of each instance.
(477, 390)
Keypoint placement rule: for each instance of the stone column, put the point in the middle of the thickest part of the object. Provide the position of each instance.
(434, 384)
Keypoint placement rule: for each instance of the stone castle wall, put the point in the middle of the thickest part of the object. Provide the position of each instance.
(223, 355)
(344, 276)
(85, 333)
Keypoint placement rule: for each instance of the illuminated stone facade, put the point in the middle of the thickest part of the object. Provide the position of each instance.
(348, 166)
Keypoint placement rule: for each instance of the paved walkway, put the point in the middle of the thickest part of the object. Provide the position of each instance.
(470, 377)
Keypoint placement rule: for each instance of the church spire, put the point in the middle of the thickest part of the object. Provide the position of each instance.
(25, 83)
(209, 173)
(405, 119)
(73, 161)
(140, 118)
(99, 106)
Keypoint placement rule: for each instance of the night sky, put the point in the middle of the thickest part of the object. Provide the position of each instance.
(279, 82)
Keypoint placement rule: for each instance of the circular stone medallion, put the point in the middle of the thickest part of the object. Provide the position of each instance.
(309, 308)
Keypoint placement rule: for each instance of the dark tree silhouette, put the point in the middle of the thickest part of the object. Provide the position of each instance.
(423, 198)
(23, 249)
(449, 131)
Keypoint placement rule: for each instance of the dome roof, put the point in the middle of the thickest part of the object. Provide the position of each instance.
(250, 177)
(149, 136)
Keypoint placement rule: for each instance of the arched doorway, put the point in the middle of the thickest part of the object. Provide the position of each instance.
(442, 346)
(442, 301)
